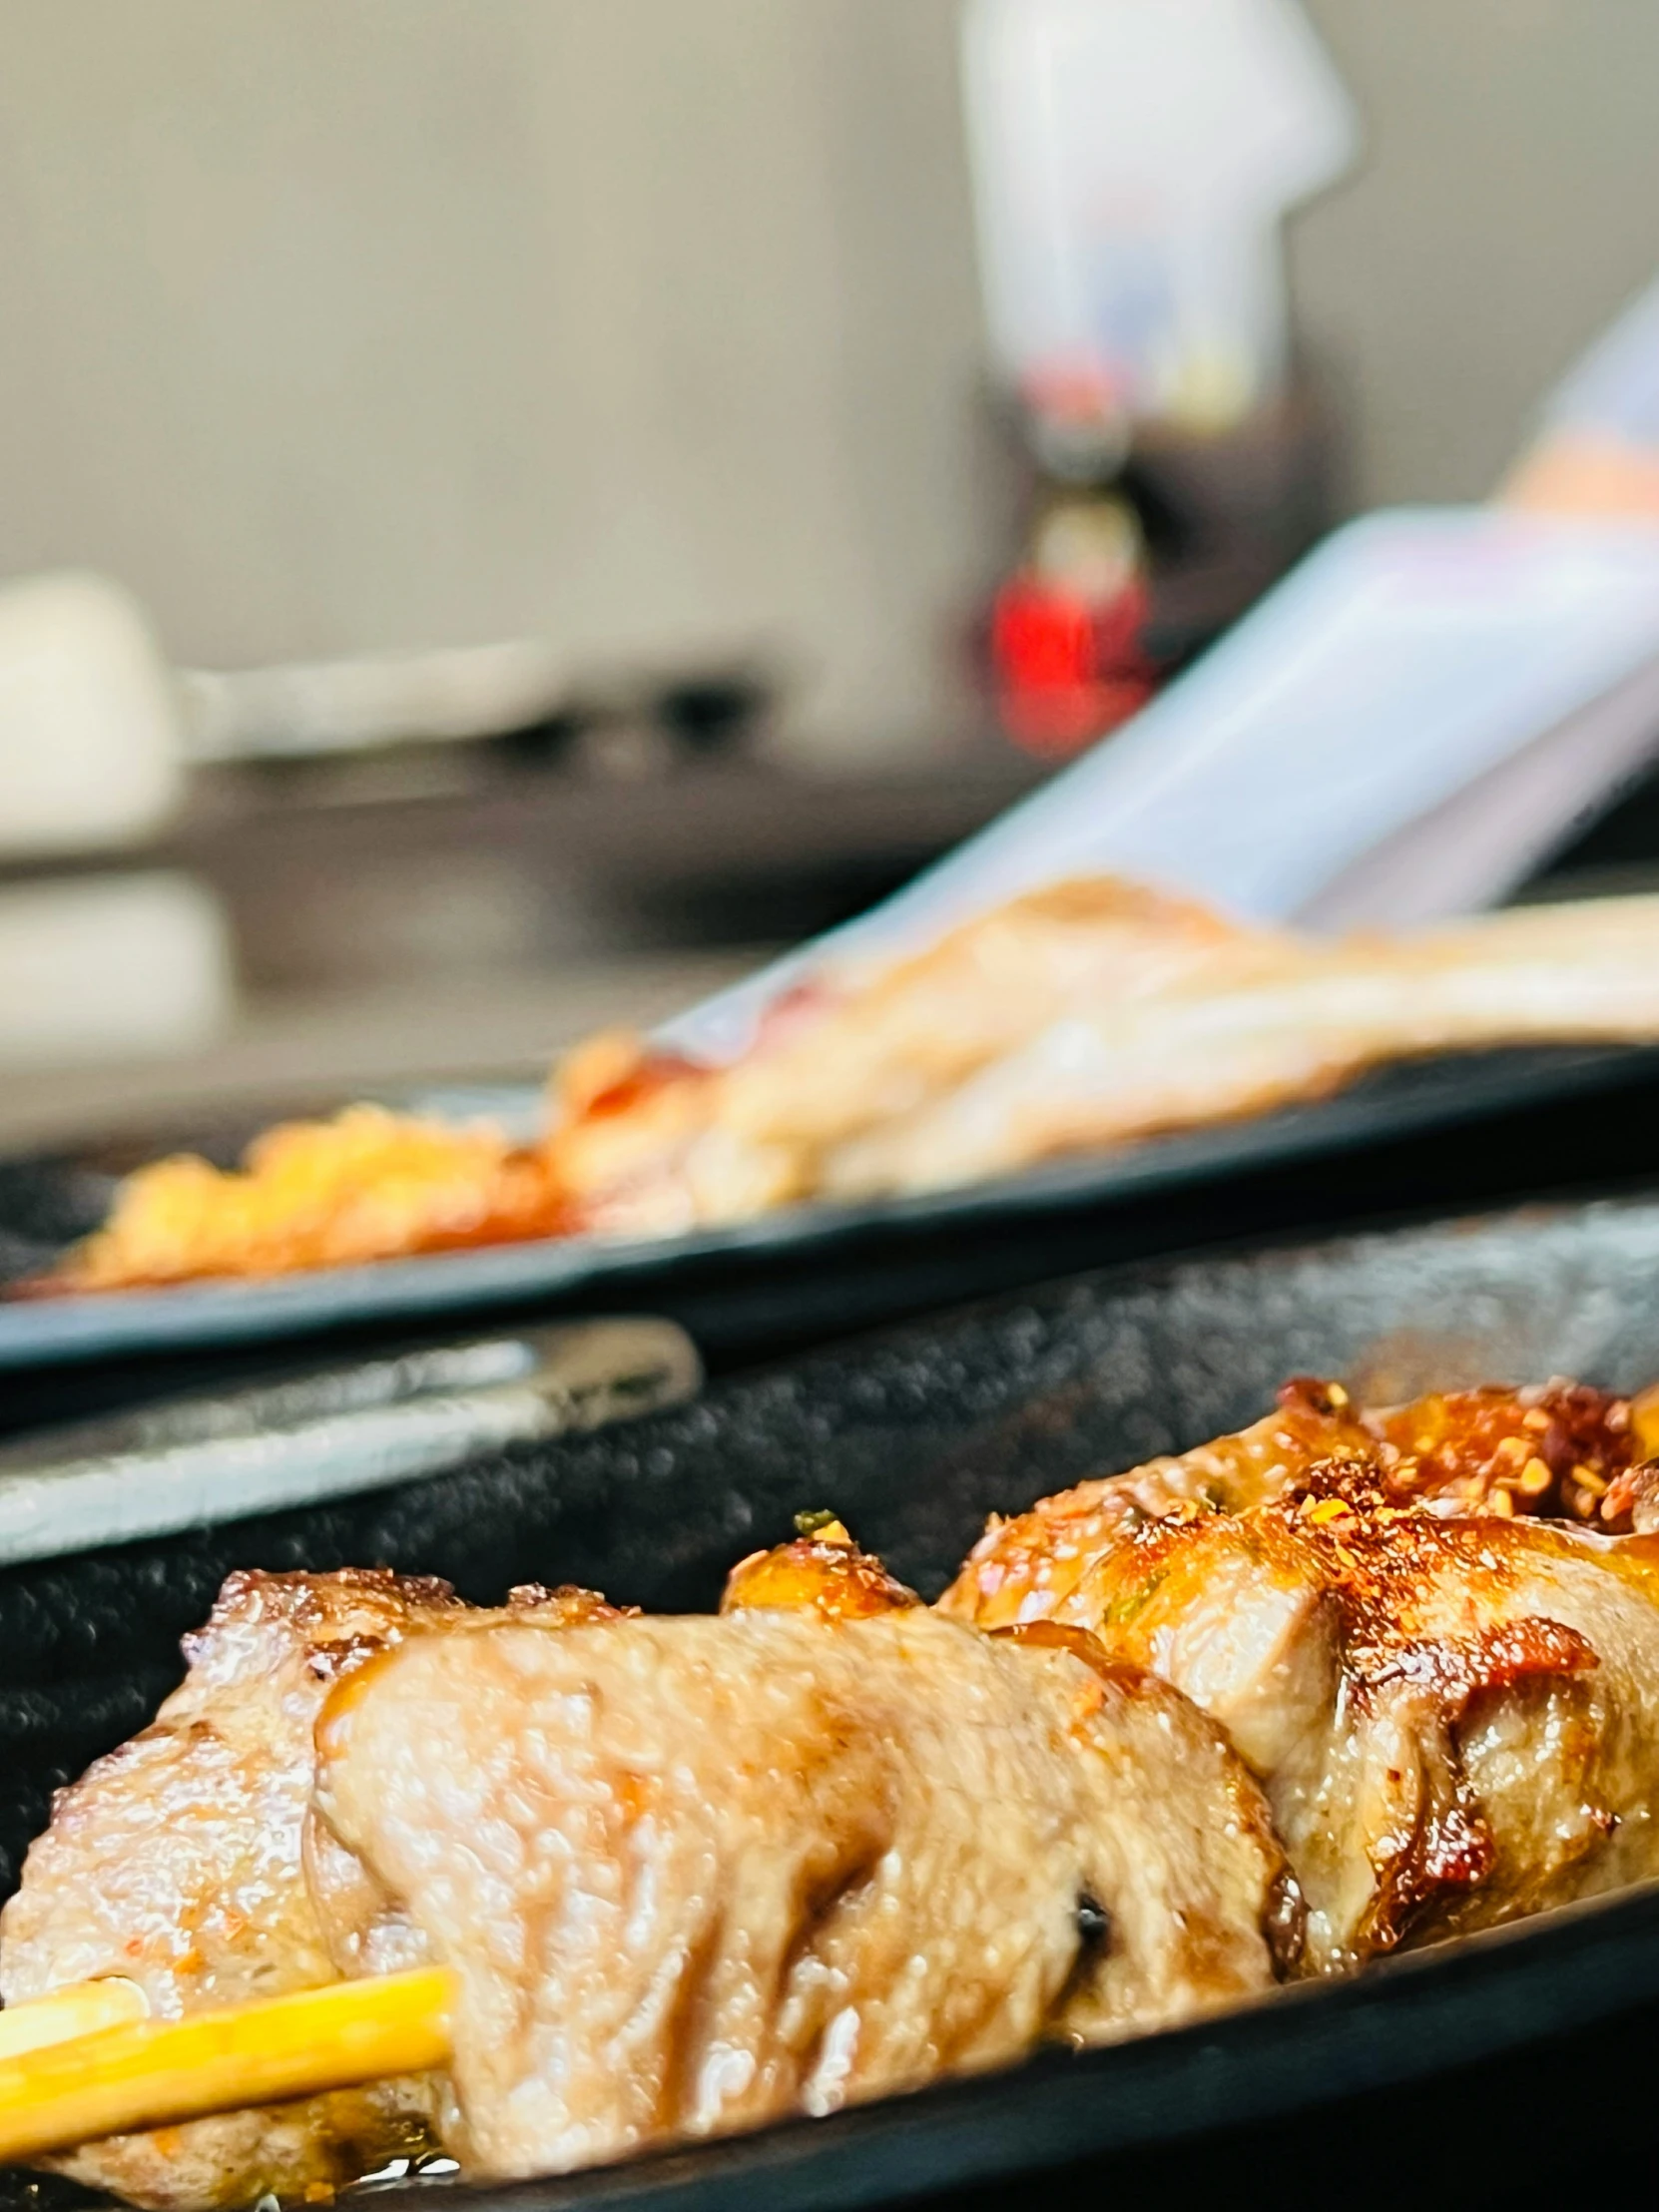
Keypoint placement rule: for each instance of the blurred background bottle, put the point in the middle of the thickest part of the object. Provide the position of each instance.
(1133, 163)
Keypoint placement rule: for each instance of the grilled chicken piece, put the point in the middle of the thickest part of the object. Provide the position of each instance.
(699, 1874)
(1558, 1449)
(178, 1862)
(1456, 1717)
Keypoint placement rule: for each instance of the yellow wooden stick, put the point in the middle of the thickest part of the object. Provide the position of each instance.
(152, 2073)
(81, 2010)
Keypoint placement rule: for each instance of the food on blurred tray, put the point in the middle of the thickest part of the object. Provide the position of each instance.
(689, 1874)
(1351, 1678)
(366, 1186)
(1074, 1019)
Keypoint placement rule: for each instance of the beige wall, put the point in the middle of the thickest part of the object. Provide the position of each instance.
(1509, 204)
(353, 322)
(331, 324)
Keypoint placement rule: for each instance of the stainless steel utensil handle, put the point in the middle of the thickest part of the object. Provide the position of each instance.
(335, 1433)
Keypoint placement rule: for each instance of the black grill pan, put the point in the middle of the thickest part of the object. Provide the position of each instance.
(1464, 2076)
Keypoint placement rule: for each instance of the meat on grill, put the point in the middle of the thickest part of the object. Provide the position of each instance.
(697, 1874)
(1278, 1704)
(1558, 1449)
(828, 1845)
(178, 1862)
(1455, 1713)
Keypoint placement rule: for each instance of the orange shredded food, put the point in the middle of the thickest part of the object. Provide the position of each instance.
(368, 1185)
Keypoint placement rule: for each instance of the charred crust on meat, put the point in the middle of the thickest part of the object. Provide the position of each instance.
(329, 1661)
(567, 1606)
(1495, 1660)
(308, 1601)
(1285, 1925)
(1451, 1850)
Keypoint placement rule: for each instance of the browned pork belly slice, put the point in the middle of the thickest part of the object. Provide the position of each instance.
(697, 1874)
(1227, 1040)
(1556, 1450)
(178, 1862)
(1456, 1717)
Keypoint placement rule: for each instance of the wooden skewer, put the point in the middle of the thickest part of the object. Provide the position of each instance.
(81, 2010)
(154, 2074)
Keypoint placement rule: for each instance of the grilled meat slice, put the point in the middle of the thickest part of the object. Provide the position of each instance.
(1028, 1568)
(1556, 1450)
(1081, 1016)
(644, 1144)
(1236, 1037)
(179, 1863)
(698, 1874)
(1456, 1717)
(824, 1574)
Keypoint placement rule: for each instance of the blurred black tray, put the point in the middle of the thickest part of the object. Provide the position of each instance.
(1479, 1125)
(1467, 2077)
